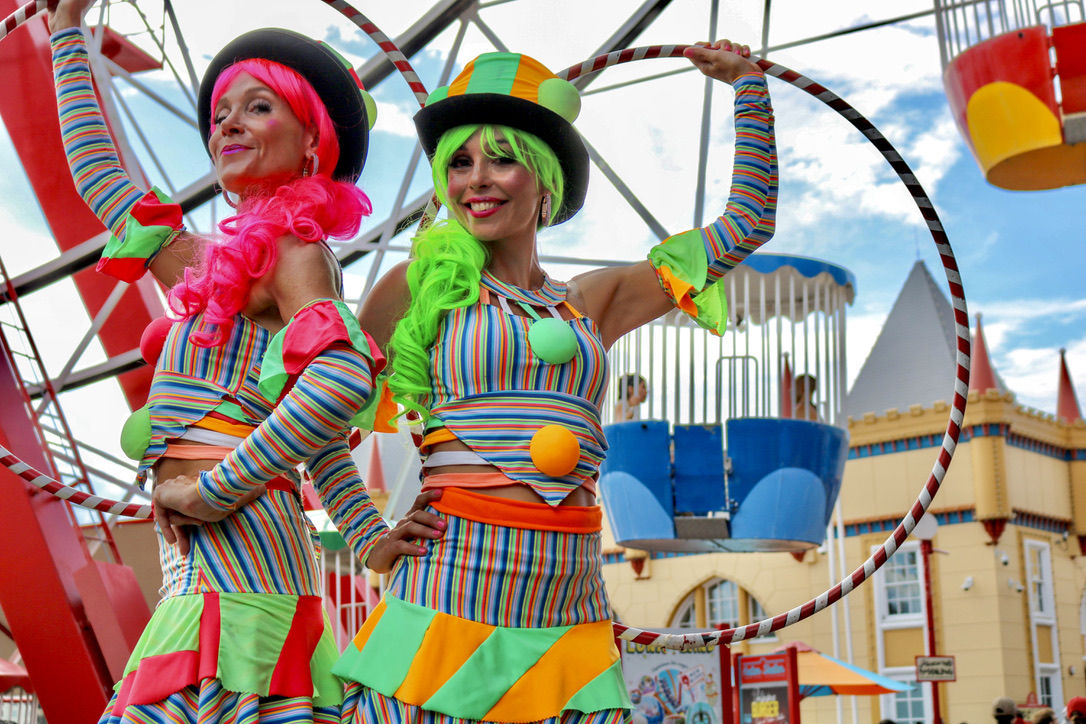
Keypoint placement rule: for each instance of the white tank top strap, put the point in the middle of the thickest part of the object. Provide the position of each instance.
(442, 458)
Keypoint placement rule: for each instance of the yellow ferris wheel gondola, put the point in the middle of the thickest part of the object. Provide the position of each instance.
(1018, 96)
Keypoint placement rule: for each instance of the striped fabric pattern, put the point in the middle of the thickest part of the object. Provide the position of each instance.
(345, 498)
(482, 349)
(99, 176)
(362, 704)
(494, 393)
(506, 576)
(331, 390)
(749, 218)
(480, 573)
(191, 381)
(499, 427)
(209, 703)
(269, 546)
(435, 661)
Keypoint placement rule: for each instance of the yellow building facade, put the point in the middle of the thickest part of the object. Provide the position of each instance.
(1008, 572)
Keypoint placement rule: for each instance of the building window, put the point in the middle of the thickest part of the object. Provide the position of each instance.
(757, 613)
(1039, 572)
(1046, 692)
(684, 615)
(721, 603)
(723, 599)
(905, 707)
(901, 583)
(1043, 626)
(899, 589)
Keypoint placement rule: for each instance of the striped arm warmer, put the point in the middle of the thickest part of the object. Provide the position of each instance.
(142, 223)
(749, 218)
(331, 390)
(96, 169)
(336, 478)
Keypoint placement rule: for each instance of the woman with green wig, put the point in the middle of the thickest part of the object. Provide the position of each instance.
(505, 618)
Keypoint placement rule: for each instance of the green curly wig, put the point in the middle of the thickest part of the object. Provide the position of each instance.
(447, 261)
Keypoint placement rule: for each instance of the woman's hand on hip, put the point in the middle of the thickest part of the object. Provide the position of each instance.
(177, 503)
(417, 525)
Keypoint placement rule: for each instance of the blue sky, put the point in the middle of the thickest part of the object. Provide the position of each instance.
(1019, 252)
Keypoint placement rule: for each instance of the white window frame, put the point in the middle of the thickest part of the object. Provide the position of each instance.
(906, 675)
(688, 606)
(1045, 615)
(884, 619)
(733, 599)
(1054, 675)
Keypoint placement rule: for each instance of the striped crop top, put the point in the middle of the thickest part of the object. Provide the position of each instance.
(496, 395)
(191, 382)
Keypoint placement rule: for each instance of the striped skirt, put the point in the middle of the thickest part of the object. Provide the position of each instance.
(231, 658)
(505, 619)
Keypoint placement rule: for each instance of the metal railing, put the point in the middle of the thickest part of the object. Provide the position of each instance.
(961, 25)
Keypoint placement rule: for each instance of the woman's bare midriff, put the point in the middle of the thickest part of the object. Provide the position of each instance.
(167, 468)
(579, 497)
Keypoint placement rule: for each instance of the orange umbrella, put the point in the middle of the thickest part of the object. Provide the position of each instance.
(821, 675)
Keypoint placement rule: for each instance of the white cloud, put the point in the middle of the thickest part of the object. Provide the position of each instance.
(393, 118)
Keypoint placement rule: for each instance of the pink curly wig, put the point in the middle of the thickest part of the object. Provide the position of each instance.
(311, 208)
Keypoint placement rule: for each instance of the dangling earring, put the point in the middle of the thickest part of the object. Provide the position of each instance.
(545, 211)
(229, 201)
(307, 171)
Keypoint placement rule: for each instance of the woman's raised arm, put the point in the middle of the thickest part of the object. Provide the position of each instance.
(683, 269)
(146, 226)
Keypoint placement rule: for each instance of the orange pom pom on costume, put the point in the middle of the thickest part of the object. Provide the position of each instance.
(555, 451)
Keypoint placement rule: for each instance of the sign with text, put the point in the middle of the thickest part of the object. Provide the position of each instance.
(768, 688)
(935, 668)
(669, 687)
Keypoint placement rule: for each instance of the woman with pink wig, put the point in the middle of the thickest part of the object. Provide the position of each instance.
(262, 369)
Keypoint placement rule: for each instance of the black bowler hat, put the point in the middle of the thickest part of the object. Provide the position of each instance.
(332, 77)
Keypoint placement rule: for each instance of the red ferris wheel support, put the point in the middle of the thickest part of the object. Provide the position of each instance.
(28, 108)
(74, 618)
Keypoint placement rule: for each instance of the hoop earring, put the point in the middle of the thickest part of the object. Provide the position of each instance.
(307, 171)
(545, 211)
(229, 201)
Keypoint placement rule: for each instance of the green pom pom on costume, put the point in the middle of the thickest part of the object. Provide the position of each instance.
(136, 433)
(438, 94)
(560, 96)
(552, 341)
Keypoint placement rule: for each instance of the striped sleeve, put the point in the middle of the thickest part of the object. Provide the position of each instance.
(142, 222)
(689, 263)
(329, 392)
(344, 496)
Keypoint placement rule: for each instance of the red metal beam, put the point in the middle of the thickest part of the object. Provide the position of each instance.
(40, 551)
(28, 109)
